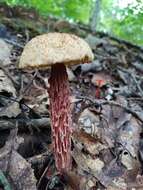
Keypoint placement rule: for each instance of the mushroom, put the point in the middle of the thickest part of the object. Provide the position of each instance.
(58, 50)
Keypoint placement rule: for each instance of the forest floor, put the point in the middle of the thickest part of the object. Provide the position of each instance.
(107, 101)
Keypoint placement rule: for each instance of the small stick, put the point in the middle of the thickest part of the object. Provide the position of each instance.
(112, 103)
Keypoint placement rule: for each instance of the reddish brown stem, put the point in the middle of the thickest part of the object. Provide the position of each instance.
(60, 110)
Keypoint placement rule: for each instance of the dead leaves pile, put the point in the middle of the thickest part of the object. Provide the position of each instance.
(109, 152)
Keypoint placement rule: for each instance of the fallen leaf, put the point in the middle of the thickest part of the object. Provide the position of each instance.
(6, 84)
(10, 110)
(88, 121)
(5, 51)
(128, 136)
(18, 169)
(111, 172)
(71, 76)
(92, 145)
(86, 163)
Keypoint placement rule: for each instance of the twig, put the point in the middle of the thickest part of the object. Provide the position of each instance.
(15, 99)
(112, 103)
(45, 171)
(136, 98)
(129, 110)
(13, 43)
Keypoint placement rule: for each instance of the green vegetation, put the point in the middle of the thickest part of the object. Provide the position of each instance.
(121, 18)
(77, 10)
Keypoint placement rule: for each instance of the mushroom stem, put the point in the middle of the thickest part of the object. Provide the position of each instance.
(60, 110)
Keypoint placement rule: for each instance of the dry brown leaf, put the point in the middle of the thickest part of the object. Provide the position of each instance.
(87, 142)
(73, 180)
(111, 172)
(86, 163)
(129, 135)
(18, 169)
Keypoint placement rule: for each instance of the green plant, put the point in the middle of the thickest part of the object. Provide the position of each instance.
(120, 18)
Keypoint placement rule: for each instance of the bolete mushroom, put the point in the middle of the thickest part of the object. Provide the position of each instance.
(58, 50)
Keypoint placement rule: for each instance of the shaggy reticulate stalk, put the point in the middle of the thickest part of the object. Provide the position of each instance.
(60, 110)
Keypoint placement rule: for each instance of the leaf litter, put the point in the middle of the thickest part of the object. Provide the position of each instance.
(107, 140)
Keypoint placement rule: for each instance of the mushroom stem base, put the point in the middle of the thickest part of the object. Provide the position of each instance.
(60, 110)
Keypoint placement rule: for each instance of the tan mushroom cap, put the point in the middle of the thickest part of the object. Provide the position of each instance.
(48, 49)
